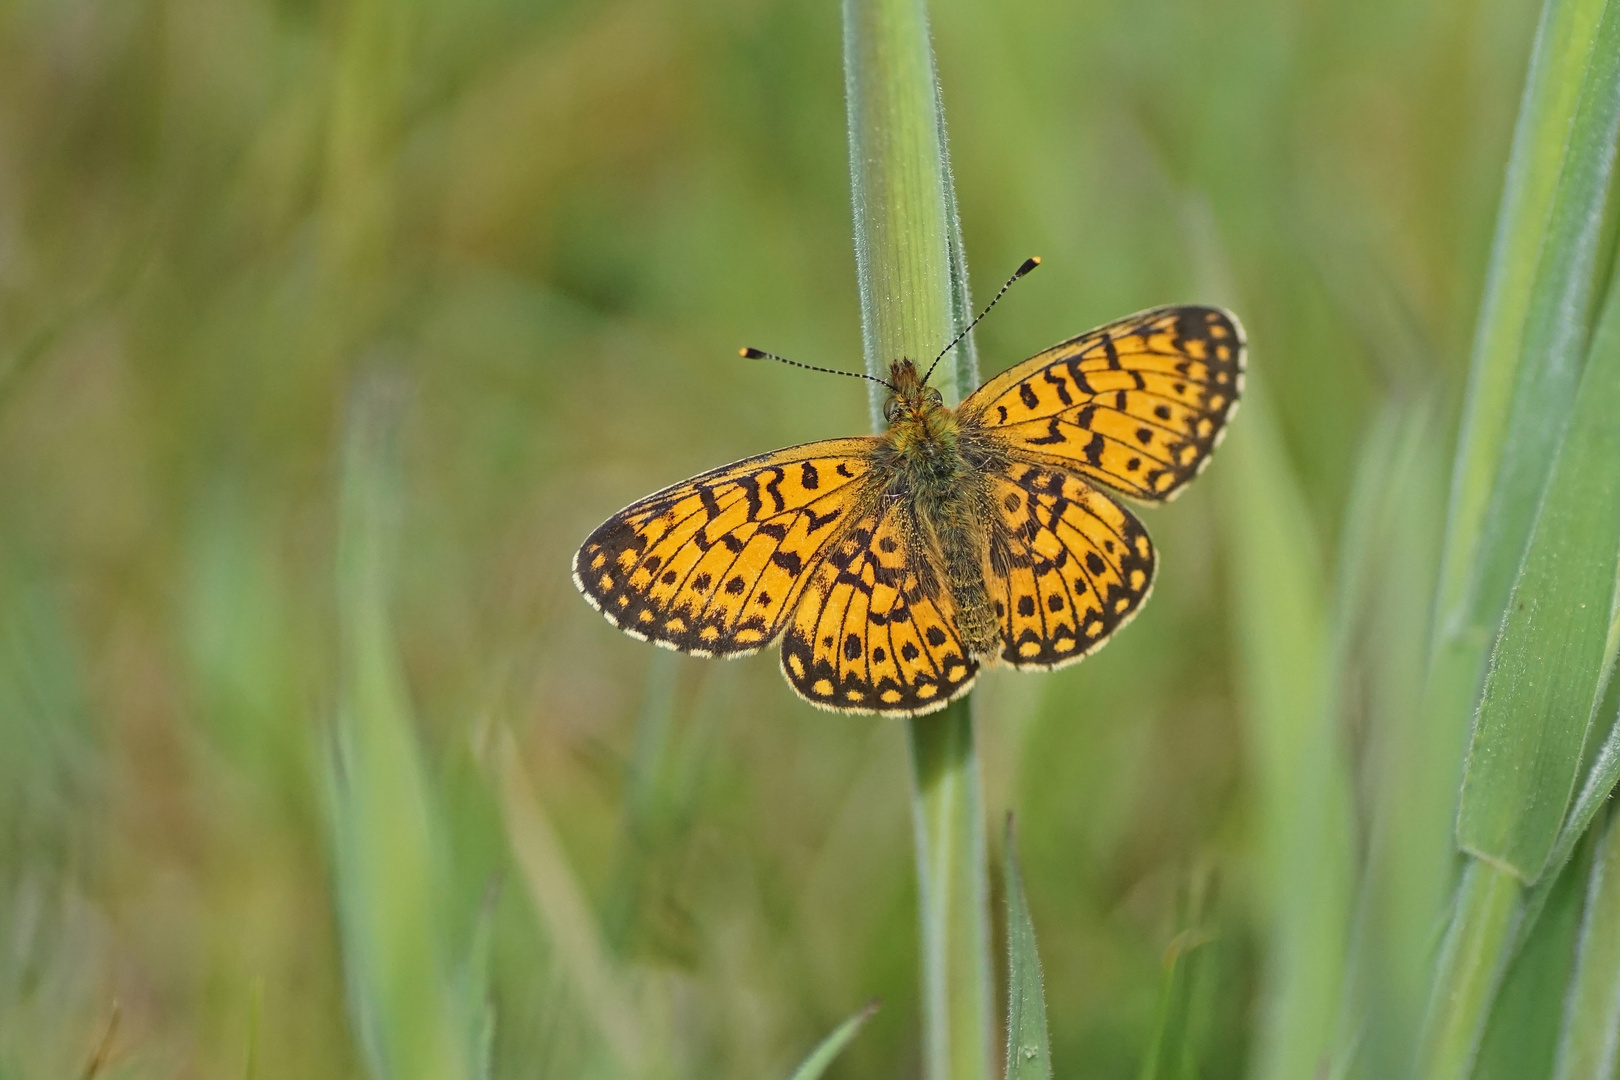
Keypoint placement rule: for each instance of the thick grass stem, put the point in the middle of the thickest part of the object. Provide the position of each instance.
(912, 277)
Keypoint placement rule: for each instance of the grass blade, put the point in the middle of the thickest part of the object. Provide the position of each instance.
(1589, 1046)
(1595, 792)
(1564, 41)
(1564, 302)
(1547, 668)
(913, 285)
(1029, 1055)
(1521, 1036)
(833, 1045)
(1468, 970)
(1550, 248)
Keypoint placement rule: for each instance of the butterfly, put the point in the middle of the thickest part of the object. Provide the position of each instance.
(894, 566)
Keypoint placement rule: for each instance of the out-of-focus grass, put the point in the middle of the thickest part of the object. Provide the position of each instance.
(411, 1014)
(828, 1049)
(555, 224)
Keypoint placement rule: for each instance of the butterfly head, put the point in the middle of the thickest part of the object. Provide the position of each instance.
(916, 412)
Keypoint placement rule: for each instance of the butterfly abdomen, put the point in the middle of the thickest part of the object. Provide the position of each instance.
(964, 549)
(949, 499)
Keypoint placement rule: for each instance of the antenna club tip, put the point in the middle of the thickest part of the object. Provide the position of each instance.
(1029, 264)
(751, 354)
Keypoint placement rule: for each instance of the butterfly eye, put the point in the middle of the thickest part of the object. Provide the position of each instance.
(891, 409)
(935, 397)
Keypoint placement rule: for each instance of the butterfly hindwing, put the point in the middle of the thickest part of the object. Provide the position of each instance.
(871, 633)
(1138, 404)
(1069, 565)
(713, 566)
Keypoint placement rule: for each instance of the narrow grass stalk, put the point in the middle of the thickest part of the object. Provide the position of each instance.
(912, 278)
(953, 893)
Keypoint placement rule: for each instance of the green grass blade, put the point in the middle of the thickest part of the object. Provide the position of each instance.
(913, 288)
(1589, 1045)
(1551, 233)
(1282, 635)
(1595, 792)
(1029, 1054)
(833, 1045)
(1563, 45)
(387, 838)
(1535, 294)
(1521, 1036)
(1547, 668)
(1564, 301)
(1473, 954)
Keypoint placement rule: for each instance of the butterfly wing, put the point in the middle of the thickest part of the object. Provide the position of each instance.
(712, 566)
(875, 632)
(1138, 404)
(1069, 565)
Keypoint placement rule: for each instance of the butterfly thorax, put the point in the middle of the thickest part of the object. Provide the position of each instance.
(922, 448)
(930, 465)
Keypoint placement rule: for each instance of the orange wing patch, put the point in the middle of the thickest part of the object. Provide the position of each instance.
(712, 566)
(1069, 566)
(1138, 404)
(872, 635)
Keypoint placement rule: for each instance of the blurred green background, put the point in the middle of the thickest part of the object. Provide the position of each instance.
(328, 330)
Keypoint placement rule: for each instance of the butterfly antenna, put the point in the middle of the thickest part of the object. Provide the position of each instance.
(760, 354)
(1029, 264)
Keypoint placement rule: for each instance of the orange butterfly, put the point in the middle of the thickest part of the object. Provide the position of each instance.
(898, 563)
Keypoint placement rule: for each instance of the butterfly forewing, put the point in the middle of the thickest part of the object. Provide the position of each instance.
(713, 566)
(1138, 404)
(1070, 566)
(872, 634)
